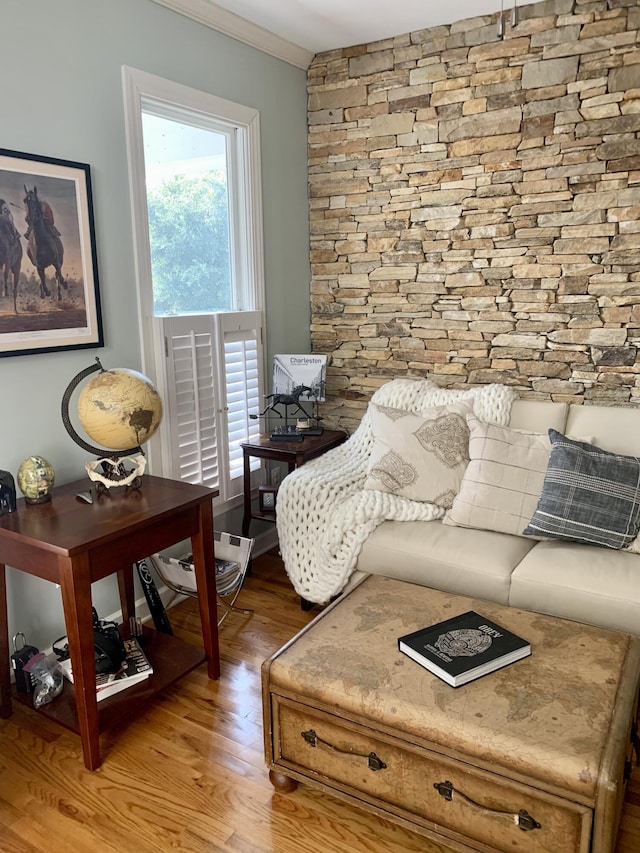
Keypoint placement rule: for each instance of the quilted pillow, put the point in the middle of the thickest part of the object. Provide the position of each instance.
(503, 480)
(420, 457)
(589, 495)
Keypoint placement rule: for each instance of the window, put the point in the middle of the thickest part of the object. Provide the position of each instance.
(195, 188)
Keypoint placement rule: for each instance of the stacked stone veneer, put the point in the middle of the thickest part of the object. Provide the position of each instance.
(475, 207)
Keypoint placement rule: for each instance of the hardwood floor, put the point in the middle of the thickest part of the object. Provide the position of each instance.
(188, 773)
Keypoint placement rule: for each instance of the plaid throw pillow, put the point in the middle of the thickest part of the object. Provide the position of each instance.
(589, 495)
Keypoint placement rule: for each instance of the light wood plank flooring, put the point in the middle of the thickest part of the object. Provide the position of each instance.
(188, 773)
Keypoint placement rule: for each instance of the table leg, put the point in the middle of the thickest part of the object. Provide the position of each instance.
(75, 586)
(5, 675)
(205, 569)
(127, 595)
(246, 518)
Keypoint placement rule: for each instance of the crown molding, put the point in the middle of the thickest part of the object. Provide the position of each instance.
(208, 13)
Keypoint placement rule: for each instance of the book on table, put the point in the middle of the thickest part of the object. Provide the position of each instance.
(135, 668)
(463, 648)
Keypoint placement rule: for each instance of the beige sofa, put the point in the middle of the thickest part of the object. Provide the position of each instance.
(587, 583)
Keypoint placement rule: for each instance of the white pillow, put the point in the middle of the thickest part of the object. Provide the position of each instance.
(419, 457)
(503, 480)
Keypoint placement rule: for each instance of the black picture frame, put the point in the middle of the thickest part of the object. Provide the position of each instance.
(267, 498)
(70, 317)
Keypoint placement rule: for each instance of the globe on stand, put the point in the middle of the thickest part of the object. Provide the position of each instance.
(120, 409)
(35, 479)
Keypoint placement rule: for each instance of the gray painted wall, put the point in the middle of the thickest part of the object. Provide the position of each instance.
(62, 97)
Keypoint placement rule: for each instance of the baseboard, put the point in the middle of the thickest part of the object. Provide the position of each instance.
(265, 542)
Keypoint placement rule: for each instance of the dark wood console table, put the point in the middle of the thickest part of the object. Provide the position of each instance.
(294, 453)
(73, 544)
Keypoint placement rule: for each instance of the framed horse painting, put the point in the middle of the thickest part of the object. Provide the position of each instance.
(49, 295)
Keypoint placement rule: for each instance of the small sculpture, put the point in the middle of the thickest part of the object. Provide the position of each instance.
(114, 471)
(288, 431)
(36, 479)
(7, 492)
(286, 400)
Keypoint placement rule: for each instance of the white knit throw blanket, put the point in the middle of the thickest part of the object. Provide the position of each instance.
(324, 513)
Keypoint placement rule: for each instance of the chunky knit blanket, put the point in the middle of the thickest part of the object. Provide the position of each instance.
(324, 513)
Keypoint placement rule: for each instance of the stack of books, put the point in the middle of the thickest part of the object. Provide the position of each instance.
(464, 648)
(135, 668)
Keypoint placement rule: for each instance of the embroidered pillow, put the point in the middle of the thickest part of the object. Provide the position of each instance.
(420, 457)
(589, 495)
(503, 480)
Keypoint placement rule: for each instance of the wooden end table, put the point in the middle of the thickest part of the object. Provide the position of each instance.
(294, 453)
(73, 544)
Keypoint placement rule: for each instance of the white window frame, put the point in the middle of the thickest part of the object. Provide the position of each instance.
(144, 91)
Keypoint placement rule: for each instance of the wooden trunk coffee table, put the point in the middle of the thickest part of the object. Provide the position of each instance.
(532, 758)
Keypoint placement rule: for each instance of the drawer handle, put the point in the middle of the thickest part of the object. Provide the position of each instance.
(523, 819)
(373, 761)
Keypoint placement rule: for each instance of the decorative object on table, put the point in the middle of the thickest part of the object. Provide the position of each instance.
(288, 431)
(36, 479)
(51, 255)
(463, 648)
(267, 498)
(298, 382)
(121, 409)
(291, 370)
(7, 492)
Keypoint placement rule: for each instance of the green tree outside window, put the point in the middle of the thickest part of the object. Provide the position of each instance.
(189, 237)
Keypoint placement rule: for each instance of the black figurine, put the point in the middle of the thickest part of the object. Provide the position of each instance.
(7, 493)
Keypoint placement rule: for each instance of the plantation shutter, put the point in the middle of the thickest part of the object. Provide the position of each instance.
(214, 381)
(240, 335)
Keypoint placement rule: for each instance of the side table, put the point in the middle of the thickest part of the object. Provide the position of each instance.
(294, 453)
(73, 544)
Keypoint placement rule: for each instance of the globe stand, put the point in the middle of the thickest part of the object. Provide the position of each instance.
(110, 469)
(114, 472)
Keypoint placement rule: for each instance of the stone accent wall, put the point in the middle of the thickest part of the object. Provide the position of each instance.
(475, 207)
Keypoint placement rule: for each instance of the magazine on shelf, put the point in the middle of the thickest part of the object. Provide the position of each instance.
(463, 648)
(135, 668)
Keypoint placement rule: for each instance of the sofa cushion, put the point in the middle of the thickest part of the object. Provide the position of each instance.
(589, 495)
(598, 586)
(420, 457)
(454, 559)
(539, 416)
(615, 427)
(503, 480)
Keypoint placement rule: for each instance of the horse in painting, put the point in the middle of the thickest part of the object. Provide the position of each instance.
(10, 254)
(44, 247)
